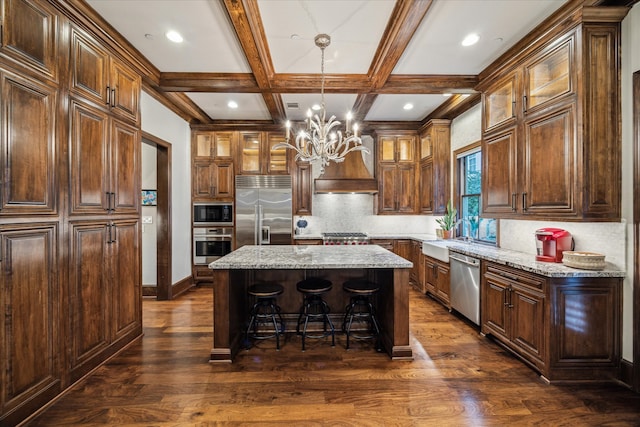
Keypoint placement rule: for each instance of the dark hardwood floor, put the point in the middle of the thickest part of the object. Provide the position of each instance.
(458, 378)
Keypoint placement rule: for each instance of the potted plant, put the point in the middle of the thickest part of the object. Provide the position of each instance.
(448, 222)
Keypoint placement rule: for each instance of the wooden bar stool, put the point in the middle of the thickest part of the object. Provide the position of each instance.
(265, 313)
(361, 309)
(314, 308)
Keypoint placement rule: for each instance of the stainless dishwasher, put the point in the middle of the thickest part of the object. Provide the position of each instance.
(465, 285)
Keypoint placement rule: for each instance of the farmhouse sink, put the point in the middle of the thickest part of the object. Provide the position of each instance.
(436, 249)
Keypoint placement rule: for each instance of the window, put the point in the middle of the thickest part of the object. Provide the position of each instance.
(469, 174)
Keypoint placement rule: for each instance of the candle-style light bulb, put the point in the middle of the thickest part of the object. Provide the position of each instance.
(355, 130)
(309, 119)
(288, 129)
(349, 117)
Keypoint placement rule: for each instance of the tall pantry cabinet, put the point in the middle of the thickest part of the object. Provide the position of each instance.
(70, 261)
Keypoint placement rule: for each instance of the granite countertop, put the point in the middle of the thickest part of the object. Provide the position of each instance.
(525, 261)
(309, 257)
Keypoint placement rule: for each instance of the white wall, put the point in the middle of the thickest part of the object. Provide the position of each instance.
(162, 123)
(630, 64)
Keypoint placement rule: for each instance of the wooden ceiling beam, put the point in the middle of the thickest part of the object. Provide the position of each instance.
(209, 82)
(428, 83)
(403, 23)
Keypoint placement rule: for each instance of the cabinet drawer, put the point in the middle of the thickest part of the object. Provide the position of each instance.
(523, 278)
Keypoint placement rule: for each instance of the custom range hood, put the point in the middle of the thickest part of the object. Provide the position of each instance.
(350, 176)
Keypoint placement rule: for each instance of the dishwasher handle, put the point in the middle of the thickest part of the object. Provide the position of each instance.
(473, 262)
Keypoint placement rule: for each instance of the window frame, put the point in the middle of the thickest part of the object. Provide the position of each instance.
(458, 155)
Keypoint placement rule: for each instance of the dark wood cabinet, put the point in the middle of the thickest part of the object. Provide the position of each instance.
(257, 155)
(212, 169)
(212, 180)
(435, 160)
(302, 188)
(29, 36)
(551, 137)
(98, 76)
(537, 318)
(28, 146)
(31, 320)
(105, 163)
(437, 280)
(104, 290)
(397, 166)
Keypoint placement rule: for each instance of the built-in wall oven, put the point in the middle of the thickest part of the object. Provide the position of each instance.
(213, 214)
(209, 244)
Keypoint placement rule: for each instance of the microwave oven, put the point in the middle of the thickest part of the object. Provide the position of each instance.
(213, 214)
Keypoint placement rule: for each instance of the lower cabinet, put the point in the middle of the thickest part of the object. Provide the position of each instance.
(105, 296)
(30, 329)
(308, 241)
(437, 280)
(566, 328)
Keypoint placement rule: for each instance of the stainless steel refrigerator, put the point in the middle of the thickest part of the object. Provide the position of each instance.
(263, 210)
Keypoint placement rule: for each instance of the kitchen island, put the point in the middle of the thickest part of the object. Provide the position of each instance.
(287, 265)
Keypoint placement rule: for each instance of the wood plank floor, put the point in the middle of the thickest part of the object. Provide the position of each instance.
(458, 378)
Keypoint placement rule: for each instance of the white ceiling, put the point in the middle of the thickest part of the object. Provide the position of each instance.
(356, 28)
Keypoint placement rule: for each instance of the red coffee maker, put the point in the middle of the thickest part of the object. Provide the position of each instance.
(551, 242)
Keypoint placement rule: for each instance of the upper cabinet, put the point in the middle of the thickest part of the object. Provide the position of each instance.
(99, 76)
(257, 155)
(397, 168)
(551, 142)
(29, 36)
(213, 145)
(28, 146)
(435, 159)
(212, 171)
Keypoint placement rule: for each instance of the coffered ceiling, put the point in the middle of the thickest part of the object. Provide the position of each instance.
(383, 55)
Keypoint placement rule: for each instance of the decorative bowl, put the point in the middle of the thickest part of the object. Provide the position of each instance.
(583, 260)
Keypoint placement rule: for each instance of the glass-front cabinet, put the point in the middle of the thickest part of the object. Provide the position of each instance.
(213, 145)
(500, 102)
(549, 77)
(259, 157)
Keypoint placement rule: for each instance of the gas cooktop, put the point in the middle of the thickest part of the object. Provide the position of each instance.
(345, 238)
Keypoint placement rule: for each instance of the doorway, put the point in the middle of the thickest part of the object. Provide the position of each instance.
(636, 232)
(157, 221)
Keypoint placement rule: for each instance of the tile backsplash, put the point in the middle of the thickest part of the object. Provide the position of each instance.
(355, 212)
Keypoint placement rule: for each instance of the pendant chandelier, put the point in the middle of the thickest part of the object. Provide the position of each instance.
(321, 139)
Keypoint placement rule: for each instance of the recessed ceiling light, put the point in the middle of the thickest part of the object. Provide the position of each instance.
(316, 107)
(148, 36)
(465, 95)
(470, 39)
(174, 36)
(408, 106)
(232, 104)
(446, 94)
(294, 36)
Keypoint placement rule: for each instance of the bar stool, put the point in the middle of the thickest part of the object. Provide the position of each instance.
(314, 308)
(265, 312)
(361, 309)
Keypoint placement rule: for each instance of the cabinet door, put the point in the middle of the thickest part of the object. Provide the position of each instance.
(499, 103)
(405, 146)
(403, 248)
(125, 285)
(224, 186)
(28, 146)
(204, 179)
(225, 142)
(29, 35)
(426, 186)
(302, 192)
(495, 301)
(429, 275)
(89, 67)
(250, 159)
(499, 179)
(124, 97)
(406, 185)
(388, 188)
(125, 168)
(527, 321)
(443, 283)
(387, 150)
(549, 76)
(30, 327)
(548, 180)
(89, 159)
(277, 159)
(90, 290)
(203, 145)
(441, 166)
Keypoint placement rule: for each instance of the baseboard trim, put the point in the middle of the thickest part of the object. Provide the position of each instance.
(626, 373)
(182, 286)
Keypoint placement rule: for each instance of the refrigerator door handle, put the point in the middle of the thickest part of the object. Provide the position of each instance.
(260, 231)
(266, 235)
(256, 224)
